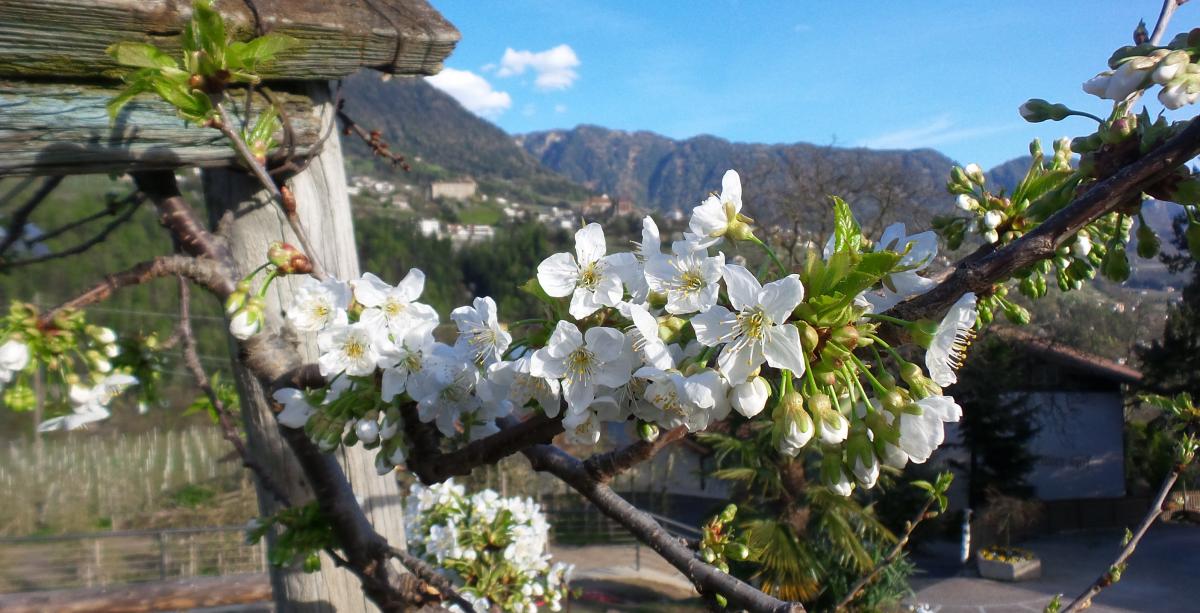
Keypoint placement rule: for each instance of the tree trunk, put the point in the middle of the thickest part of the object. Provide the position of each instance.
(251, 222)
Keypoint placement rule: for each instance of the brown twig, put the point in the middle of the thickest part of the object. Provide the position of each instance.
(204, 272)
(432, 466)
(603, 467)
(888, 560)
(16, 227)
(428, 574)
(100, 237)
(286, 204)
(706, 578)
(225, 417)
(1084, 600)
(373, 139)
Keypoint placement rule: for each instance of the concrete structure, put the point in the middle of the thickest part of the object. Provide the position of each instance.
(429, 227)
(459, 189)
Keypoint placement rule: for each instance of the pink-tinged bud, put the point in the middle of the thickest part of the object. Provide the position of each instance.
(288, 259)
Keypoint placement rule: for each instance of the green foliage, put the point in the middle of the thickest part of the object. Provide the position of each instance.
(193, 495)
(226, 392)
(303, 532)
(938, 489)
(209, 64)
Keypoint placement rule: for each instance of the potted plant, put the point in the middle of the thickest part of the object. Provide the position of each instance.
(1003, 515)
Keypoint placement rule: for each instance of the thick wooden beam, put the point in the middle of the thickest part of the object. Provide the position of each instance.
(191, 593)
(66, 39)
(63, 128)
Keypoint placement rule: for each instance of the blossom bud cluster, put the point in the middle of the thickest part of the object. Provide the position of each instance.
(493, 548)
(70, 349)
(1137, 68)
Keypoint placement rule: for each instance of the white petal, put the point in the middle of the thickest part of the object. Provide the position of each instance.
(713, 325)
(750, 397)
(737, 363)
(589, 244)
(412, 285)
(782, 348)
(779, 298)
(731, 189)
(583, 303)
(743, 287)
(558, 275)
(605, 343)
(370, 290)
(565, 340)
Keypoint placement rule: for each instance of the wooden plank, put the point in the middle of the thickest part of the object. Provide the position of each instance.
(63, 128)
(67, 38)
(142, 598)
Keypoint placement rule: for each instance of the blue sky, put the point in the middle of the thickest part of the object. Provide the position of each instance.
(906, 74)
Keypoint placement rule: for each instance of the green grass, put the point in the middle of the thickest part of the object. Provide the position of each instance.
(480, 214)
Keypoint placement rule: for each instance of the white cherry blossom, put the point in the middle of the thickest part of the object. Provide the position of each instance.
(394, 309)
(296, 408)
(479, 331)
(718, 214)
(592, 280)
(319, 305)
(954, 334)
(750, 397)
(758, 329)
(689, 278)
(583, 361)
(14, 357)
(354, 349)
(917, 250)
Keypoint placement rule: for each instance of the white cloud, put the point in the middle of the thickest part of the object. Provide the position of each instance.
(560, 108)
(940, 130)
(555, 68)
(472, 91)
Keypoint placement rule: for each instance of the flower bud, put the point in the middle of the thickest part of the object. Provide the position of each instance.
(1116, 264)
(847, 336)
(1170, 66)
(992, 219)
(1036, 110)
(1147, 242)
(966, 202)
(809, 339)
(249, 320)
(367, 430)
(739, 230)
(648, 431)
(736, 551)
(974, 173)
(728, 513)
(288, 259)
(1016, 314)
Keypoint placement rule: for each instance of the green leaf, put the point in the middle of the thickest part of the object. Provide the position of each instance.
(847, 236)
(263, 49)
(140, 55)
(119, 101)
(869, 270)
(194, 106)
(210, 31)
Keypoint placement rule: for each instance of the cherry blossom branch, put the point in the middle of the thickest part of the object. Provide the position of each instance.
(888, 560)
(1164, 17)
(372, 139)
(203, 272)
(287, 202)
(603, 467)
(433, 466)
(1110, 577)
(980, 270)
(706, 578)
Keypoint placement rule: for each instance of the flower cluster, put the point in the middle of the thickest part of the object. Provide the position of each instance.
(664, 338)
(1140, 67)
(68, 348)
(493, 547)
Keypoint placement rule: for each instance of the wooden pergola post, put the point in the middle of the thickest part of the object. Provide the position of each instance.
(60, 127)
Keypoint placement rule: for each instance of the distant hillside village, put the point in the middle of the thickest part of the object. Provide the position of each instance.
(459, 210)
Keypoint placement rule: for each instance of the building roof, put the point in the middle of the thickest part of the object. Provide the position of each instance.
(1070, 357)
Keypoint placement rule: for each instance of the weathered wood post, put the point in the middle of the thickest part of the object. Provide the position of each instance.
(59, 126)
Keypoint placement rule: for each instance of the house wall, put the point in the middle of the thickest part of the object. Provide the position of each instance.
(457, 191)
(1079, 447)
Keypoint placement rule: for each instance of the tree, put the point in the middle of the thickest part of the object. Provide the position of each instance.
(847, 388)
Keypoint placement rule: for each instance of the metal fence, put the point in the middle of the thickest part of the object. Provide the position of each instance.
(36, 563)
(33, 563)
